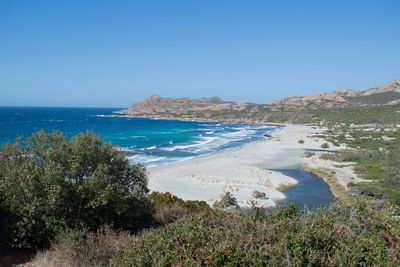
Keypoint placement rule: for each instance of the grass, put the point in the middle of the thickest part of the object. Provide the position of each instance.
(340, 166)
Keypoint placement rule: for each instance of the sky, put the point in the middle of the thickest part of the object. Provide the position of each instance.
(113, 53)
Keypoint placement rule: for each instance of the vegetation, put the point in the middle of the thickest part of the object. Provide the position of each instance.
(284, 187)
(308, 154)
(49, 184)
(375, 154)
(363, 234)
(325, 145)
(379, 114)
(227, 200)
(259, 195)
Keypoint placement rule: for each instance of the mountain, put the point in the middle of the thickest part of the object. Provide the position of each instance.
(386, 94)
(280, 110)
(157, 105)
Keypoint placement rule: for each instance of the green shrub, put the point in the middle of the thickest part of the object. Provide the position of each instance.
(49, 183)
(342, 235)
(227, 200)
(392, 170)
(325, 145)
(308, 154)
(161, 199)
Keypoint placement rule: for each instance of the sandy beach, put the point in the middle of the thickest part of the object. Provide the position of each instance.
(240, 171)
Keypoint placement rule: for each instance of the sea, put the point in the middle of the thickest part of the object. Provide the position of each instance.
(149, 141)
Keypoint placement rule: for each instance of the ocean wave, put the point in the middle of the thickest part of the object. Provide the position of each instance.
(145, 158)
(138, 136)
(195, 144)
(206, 139)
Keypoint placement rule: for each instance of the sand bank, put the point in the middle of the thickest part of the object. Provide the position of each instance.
(240, 171)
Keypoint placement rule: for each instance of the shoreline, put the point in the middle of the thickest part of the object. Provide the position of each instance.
(122, 115)
(241, 170)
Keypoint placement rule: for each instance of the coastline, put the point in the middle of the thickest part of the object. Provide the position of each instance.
(179, 118)
(240, 170)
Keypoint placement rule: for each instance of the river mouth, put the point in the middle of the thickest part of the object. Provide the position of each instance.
(310, 193)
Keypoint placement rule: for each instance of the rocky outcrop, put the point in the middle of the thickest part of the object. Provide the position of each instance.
(216, 109)
(392, 86)
(386, 94)
(156, 105)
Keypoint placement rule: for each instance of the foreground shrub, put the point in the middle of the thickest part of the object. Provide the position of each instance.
(340, 236)
(78, 248)
(49, 183)
(170, 213)
(161, 199)
(168, 207)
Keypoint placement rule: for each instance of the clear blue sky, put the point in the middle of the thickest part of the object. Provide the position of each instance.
(113, 53)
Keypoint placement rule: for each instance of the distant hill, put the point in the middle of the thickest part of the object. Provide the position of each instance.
(156, 105)
(280, 110)
(386, 94)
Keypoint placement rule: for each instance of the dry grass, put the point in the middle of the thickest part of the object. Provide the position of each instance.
(92, 249)
(170, 213)
(284, 187)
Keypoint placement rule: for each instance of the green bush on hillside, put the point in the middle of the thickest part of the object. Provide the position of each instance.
(344, 235)
(49, 183)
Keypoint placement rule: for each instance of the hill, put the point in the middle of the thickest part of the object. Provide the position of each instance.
(386, 94)
(276, 111)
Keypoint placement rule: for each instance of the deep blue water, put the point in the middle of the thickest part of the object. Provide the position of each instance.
(150, 141)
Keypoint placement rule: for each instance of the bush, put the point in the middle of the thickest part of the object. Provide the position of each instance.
(78, 248)
(301, 141)
(170, 213)
(343, 235)
(160, 200)
(325, 145)
(392, 171)
(49, 183)
(308, 154)
(227, 200)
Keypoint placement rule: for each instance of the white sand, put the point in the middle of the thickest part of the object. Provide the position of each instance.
(240, 170)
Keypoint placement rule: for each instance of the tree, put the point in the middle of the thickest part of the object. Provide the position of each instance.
(49, 183)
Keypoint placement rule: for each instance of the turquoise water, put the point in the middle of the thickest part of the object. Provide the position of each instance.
(150, 141)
